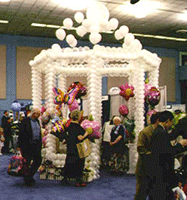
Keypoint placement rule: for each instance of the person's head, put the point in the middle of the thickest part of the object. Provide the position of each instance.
(1, 129)
(6, 113)
(155, 118)
(75, 115)
(35, 113)
(111, 121)
(117, 120)
(9, 120)
(166, 119)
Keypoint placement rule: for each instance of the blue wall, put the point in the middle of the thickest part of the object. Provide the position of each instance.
(12, 41)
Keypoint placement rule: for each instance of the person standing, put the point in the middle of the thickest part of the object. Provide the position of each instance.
(30, 144)
(106, 142)
(162, 165)
(4, 119)
(143, 148)
(8, 144)
(118, 162)
(74, 165)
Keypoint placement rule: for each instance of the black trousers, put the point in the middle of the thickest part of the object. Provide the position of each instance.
(74, 167)
(8, 140)
(33, 157)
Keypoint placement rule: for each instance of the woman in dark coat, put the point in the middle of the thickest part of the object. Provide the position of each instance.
(74, 165)
(118, 162)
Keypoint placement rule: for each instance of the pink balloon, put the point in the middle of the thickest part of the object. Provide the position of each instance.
(44, 140)
(127, 91)
(95, 125)
(150, 112)
(123, 110)
(147, 88)
(95, 135)
(72, 95)
(153, 96)
(73, 106)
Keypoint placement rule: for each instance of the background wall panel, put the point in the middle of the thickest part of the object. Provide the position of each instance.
(116, 81)
(23, 71)
(3, 72)
(167, 76)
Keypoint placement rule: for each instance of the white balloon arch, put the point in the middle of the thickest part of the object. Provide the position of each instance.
(101, 61)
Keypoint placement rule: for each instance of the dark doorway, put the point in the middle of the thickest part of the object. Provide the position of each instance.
(184, 92)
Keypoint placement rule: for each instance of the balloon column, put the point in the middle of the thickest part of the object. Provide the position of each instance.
(16, 107)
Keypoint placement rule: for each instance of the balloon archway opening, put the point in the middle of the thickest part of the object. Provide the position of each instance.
(100, 61)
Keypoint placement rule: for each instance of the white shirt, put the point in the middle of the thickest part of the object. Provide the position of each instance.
(107, 130)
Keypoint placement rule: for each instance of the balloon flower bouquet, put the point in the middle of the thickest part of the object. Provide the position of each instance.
(152, 98)
(127, 91)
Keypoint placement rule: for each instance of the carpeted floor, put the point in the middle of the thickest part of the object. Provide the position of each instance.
(108, 187)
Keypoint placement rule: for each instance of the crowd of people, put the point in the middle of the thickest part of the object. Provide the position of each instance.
(155, 173)
(157, 146)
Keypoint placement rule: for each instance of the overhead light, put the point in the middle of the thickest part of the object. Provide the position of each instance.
(50, 26)
(141, 9)
(111, 32)
(74, 4)
(161, 37)
(183, 16)
(39, 25)
(181, 31)
(4, 21)
(4, 0)
(133, 1)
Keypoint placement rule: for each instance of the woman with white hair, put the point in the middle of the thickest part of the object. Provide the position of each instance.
(118, 163)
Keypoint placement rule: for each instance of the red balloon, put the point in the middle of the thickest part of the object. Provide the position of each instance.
(123, 110)
(153, 96)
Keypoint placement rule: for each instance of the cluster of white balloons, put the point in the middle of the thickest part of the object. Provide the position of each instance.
(96, 21)
(92, 162)
(36, 87)
(50, 152)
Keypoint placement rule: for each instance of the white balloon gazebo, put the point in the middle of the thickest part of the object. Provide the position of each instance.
(101, 61)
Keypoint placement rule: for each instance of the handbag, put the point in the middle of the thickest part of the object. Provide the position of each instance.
(17, 165)
(84, 148)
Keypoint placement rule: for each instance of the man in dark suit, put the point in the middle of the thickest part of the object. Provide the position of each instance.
(162, 166)
(30, 144)
(4, 119)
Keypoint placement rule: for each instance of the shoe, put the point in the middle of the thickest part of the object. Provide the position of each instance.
(29, 181)
(77, 184)
(64, 181)
(83, 184)
(80, 184)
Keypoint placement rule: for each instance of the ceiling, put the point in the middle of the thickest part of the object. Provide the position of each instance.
(164, 21)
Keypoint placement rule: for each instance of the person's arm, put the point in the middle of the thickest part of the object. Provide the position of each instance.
(179, 129)
(121, 135)
(82, 137)
(116, 140)
(141, 143)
